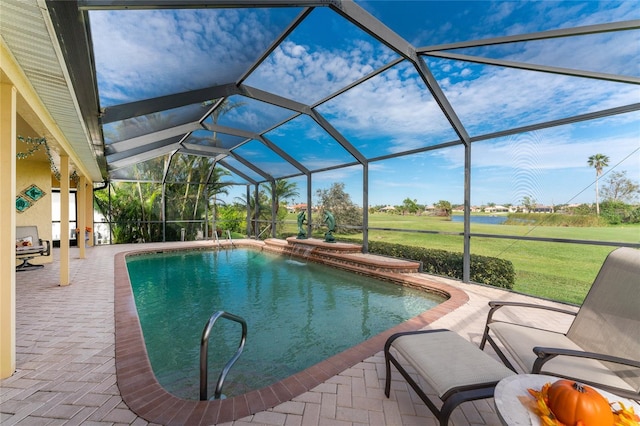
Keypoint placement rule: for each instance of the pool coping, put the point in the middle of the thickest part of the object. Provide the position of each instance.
(143, 394)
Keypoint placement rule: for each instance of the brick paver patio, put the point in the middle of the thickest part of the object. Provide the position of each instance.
(66, 371)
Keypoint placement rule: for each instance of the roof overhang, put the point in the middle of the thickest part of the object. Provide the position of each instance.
(54, 102)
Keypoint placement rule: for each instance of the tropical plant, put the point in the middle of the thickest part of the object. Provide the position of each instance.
(131, 208)
(216, 187)
(135, 210)
(338, 202)
(444, 208)
(598, 161)
(409, 206)
(284, 190)
(529, 203)
(259, 210)
(232, 217)
(190, 186)
(617, 212)
(619, 187)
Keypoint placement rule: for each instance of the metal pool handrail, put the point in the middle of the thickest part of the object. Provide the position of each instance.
(204, 347)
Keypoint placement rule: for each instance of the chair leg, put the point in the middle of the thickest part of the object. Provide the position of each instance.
(452, 402)
(387, 382)
(484, 337)
(26, 266)
(501, 355)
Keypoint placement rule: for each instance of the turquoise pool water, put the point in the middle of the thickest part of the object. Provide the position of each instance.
(297, 313)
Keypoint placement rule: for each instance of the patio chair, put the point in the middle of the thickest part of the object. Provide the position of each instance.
(602, 345)
(28, 246)
(452, 367)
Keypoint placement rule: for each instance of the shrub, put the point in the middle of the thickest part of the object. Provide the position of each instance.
(617, 212)
(484, 269)
(232, 219)
(554, 219)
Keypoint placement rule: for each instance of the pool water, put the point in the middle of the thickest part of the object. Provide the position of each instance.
(297, 314)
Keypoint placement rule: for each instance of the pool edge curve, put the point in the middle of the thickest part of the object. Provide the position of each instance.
(144, 395)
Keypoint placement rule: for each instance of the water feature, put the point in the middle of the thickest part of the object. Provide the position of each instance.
(488, 220)
(300, 251)
(298, 315)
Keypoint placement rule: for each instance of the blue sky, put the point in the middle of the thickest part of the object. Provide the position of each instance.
(149, 53)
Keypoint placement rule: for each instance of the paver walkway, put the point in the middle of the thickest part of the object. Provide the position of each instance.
(66, 368)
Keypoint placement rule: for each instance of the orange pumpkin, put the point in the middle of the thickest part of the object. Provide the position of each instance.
(573, 403)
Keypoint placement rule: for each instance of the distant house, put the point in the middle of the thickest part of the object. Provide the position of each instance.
(496, 209)
(297, 208)
(539, 208)
(387, 208)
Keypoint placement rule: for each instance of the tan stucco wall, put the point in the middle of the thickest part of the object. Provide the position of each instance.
(29, 171)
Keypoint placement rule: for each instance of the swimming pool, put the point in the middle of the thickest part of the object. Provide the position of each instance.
(298, 314)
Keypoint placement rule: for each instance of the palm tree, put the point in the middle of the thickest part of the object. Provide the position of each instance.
(598, 161)
(284, 190)
(258, 210)
(215, 188)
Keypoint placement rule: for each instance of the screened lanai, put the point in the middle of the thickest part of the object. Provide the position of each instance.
(472, 102)
(486, 105)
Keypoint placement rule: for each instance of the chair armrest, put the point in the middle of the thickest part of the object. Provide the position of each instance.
(47, 244)
(546, 354)
(497, 304)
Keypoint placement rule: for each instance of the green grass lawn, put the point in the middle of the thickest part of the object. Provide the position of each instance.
(557, 271)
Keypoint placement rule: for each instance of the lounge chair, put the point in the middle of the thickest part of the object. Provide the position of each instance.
(451, 366)
(28, 246)
(602, 345)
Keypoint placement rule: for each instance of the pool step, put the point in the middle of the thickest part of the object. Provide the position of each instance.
(342, 255)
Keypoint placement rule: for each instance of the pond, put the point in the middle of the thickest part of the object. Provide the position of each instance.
(488, 220)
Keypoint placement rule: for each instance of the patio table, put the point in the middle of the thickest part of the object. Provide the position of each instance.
(513, 412)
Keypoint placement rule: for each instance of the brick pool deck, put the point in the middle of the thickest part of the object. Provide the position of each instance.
(66, 361)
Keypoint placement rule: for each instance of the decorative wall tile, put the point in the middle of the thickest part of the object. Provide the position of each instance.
(22, 203)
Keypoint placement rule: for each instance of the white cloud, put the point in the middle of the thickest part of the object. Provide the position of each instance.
(307, 74)
(499, 98)
(560, 148)
(146, 53)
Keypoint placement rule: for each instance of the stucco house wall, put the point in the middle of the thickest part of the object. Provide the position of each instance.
(35, 170)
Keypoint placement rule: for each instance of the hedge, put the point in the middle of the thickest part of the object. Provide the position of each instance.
(484, 269)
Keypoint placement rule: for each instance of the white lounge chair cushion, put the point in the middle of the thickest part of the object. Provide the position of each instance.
(447, 361)
(520, 340)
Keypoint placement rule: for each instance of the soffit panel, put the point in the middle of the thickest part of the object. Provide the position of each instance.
(24, 30)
